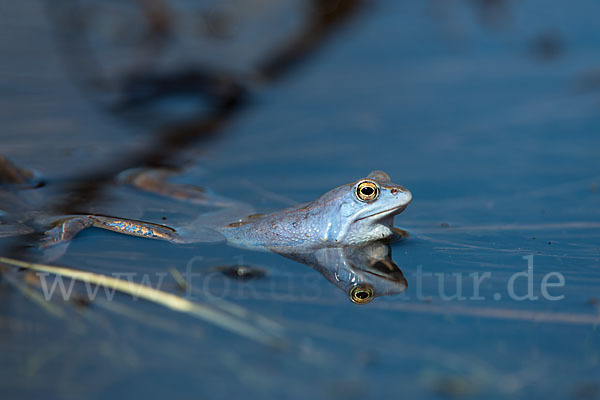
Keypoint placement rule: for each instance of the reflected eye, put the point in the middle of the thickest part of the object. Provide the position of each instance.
(367, 191)
(361, 294)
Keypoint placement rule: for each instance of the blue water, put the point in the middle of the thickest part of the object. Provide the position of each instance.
(497, 142)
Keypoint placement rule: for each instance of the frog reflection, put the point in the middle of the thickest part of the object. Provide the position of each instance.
(363, 272)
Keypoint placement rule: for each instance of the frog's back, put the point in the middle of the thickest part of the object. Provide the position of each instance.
(294, 228)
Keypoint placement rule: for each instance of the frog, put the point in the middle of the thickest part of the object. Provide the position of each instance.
(348, 215)
(352, 214)
(339, 234)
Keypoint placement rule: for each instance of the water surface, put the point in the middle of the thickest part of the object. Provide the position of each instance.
(487, 111)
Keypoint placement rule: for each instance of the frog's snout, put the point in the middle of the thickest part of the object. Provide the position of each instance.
(402, 194)
(407, 196)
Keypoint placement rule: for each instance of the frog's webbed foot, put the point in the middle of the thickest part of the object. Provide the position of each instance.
(156, 181)
(57, 239)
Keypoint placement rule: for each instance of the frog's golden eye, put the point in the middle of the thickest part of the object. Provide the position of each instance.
(361, 294)
(367, 191)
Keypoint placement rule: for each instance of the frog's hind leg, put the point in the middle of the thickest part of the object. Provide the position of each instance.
(59, 237)
(67, 228)
(151, 230)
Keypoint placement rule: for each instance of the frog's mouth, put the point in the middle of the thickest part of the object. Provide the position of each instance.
(384, 213)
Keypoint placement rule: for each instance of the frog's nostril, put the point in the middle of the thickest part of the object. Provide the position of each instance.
(394, 191)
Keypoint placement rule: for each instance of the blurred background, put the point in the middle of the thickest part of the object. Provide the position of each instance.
(487, 110)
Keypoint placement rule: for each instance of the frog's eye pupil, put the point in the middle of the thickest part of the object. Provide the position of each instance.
(367, 191)
(361, 294)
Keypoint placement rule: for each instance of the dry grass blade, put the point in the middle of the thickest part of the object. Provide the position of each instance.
(171, 301)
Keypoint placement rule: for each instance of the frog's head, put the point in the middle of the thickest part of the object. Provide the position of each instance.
(368, 208)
